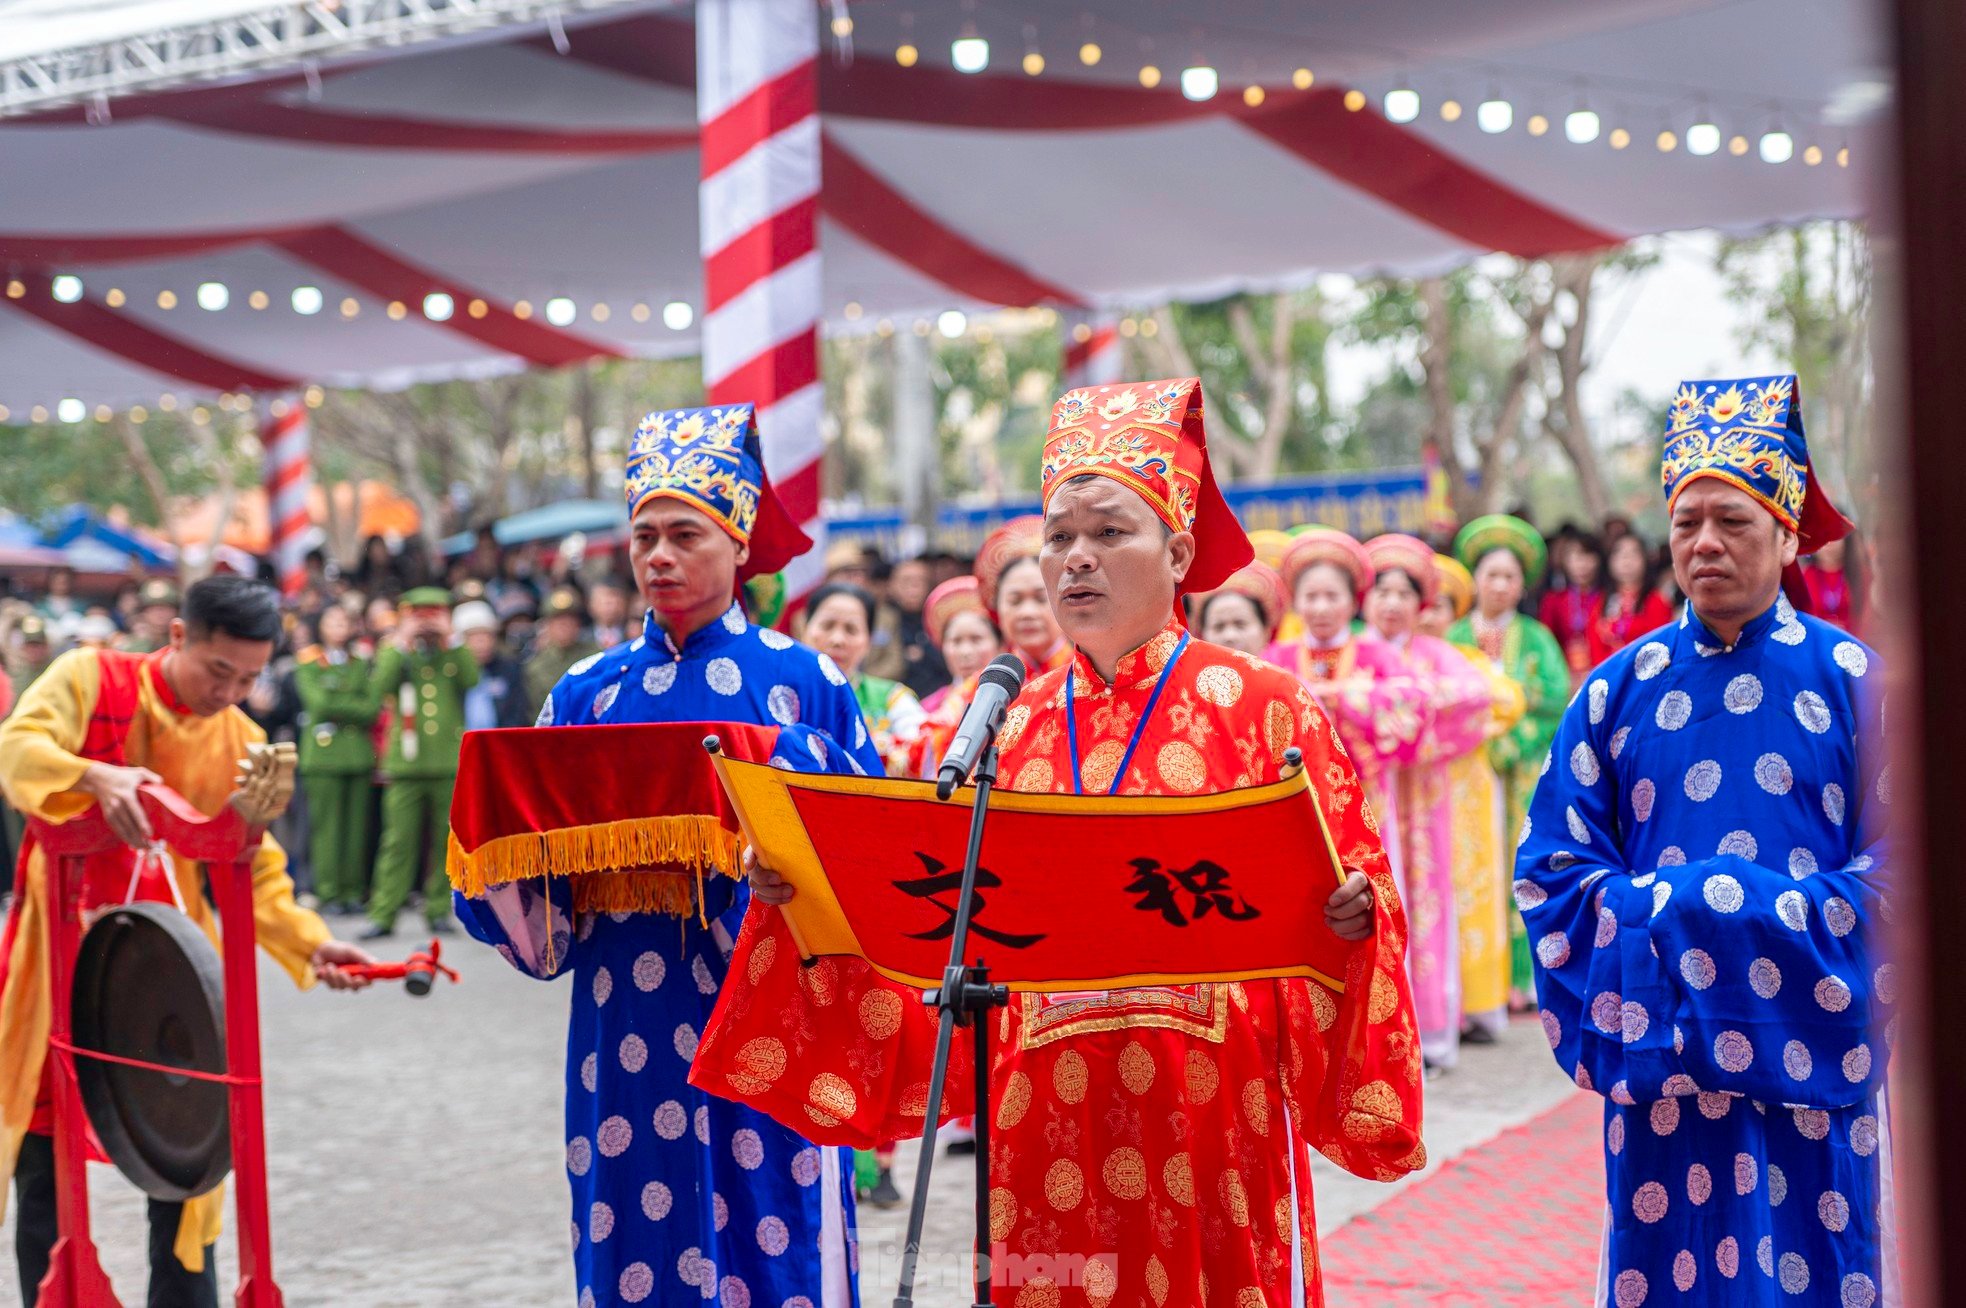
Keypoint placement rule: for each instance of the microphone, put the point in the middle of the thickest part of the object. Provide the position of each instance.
(995, 689)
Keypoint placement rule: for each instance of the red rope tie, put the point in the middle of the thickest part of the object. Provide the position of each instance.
(76, 1051)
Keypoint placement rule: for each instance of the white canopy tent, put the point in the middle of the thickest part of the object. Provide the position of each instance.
(499, 196)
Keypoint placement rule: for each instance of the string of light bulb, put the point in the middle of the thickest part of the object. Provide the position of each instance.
(970, 53)
(309, 301)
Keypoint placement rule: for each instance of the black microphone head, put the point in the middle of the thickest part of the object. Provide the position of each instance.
(1006, 670)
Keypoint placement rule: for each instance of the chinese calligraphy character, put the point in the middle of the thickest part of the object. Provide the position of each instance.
(939, 879)
(1205, 884)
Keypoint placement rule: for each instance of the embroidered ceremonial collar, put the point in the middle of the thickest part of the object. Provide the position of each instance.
(701, 642)
(1777, 622)
(1135, 671)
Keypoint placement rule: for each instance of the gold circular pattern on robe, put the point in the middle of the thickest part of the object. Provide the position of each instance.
(1250, 1297)
(1181, 766)
(1279, 728)
(818, 977)
(1038, 1292)
(1015, 1101)
(880, 1013)
(1239, 996)
(1178, 1175)
(1014, 723)
(759, 1063)
(1234, 1197)
(1203, 1079)
(1003, 1212)
(1064, 1185)
(1379, 1098)
(762, 958)
(1219, 684)
(1136, 1067)
(1159, 648)
(914, 1100)
(1256, 1107)
(1156, 1280)
(1102, 766)
(1382, 1000)
(1068, 1076)
(1100, 1282)
(1324, 1009)
(833, 1096)
(1034, 776)
(1282, 1215)
(1125, 1173)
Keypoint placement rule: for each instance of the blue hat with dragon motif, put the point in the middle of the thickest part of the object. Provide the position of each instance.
(1748, 433)
(712, 459)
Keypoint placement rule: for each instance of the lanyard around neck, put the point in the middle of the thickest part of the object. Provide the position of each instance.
(1139, 728)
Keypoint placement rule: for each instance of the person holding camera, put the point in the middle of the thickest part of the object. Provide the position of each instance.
(426, 676)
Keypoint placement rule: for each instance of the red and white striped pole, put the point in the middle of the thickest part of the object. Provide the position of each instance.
(284, 436)
(1092, 351)
(757, 100)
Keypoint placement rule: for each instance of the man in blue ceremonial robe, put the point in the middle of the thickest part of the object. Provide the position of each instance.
(1703, 873)
(677, 1195)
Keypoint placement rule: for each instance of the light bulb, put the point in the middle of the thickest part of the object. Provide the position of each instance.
(212, 296)
(438, 307)
(1199, 83)
(307, 300)
(66, 288)
(1702, 138)
(970, 54)
(1580, 126)
(677, 315)
(560, 311)
(1777, 147)
(1402, 106)
(951, 323)
(1494, 116)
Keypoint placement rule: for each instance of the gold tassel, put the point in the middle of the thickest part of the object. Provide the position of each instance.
(637, 865)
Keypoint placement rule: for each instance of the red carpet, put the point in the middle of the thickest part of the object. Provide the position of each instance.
(1512, 1224)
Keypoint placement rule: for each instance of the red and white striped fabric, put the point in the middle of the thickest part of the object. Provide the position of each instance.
(1092, 350)
(757, 101)
(406, 216)
(285, 437)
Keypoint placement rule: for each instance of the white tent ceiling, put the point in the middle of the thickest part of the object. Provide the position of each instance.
(507, 172)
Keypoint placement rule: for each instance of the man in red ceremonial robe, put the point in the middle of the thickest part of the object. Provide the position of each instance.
(1153, 1143)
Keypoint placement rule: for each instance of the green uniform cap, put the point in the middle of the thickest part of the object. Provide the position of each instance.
(425, 597)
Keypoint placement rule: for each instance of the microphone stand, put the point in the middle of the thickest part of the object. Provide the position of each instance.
(965, 998)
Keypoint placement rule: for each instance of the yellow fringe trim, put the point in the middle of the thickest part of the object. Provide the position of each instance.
(637, 865)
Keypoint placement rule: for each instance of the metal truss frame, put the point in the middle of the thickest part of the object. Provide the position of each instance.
(281, 36)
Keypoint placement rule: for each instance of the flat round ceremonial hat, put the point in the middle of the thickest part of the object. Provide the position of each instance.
(149, 986)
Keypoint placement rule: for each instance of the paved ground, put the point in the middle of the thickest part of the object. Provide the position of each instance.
(379, 1198)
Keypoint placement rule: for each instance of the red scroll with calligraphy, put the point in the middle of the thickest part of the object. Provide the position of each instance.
(1073, 893)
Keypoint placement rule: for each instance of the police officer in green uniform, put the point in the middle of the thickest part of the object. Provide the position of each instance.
(562, 642)
(33, 656)
(424, 678)
(150, 626)
(337, 759)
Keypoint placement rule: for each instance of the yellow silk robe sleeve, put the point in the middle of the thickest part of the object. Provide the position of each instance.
(38, 764)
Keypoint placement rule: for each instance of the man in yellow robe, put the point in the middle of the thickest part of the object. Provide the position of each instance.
(96, 726)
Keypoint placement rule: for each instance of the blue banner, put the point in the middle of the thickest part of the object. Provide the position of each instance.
(1362, 503)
